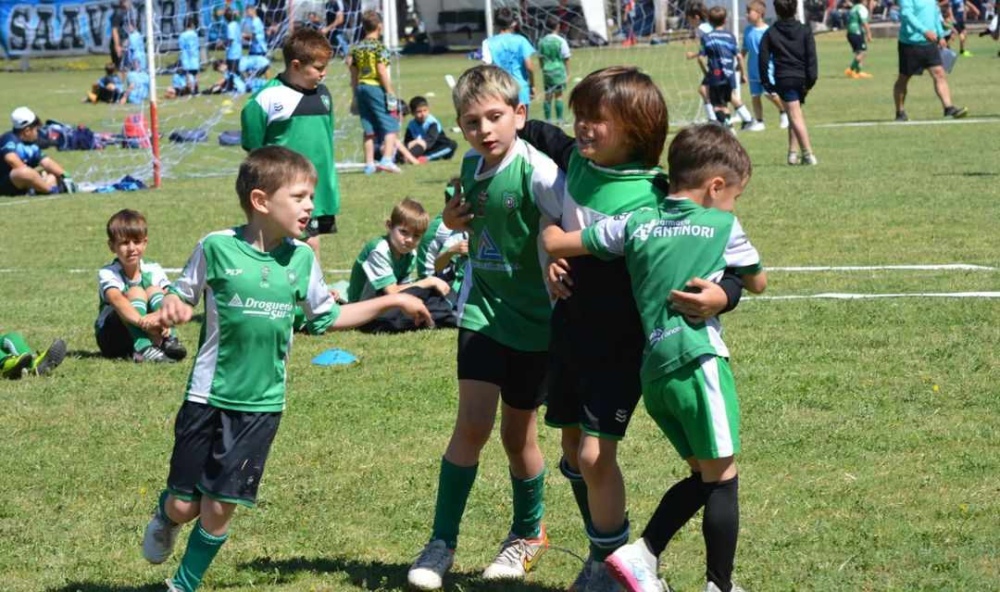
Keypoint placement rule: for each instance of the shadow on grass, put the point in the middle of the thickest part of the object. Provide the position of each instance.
(375, 575)
(97, 587)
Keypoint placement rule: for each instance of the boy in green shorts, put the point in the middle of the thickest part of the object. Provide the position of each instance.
(687, 384)
(251, 277)
(504, 314)
(294, 109)
(17, 358)
(554, 54)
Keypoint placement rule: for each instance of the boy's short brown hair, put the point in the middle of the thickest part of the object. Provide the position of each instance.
(785, 9)
(480, 82)
(700, 152)
(370, 21)
(127, 225)
(757, 6)
(717, 16)
(269, 169)
(411, 214)
(504, 18)
(615, 91)
(696, 10)
(307, 46)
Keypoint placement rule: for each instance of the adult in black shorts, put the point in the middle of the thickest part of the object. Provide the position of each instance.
(116, 45)
(920, 50)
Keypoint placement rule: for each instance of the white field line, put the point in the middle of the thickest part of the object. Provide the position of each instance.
(848, 296)
(902, 123)
(921, 267)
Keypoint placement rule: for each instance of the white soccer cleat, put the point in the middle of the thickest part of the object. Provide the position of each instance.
(427, 572)
(756, 126)
(783, 121)
(711, 587)
(158, 542)
(517, 557)
(793, 158)
(634, 567)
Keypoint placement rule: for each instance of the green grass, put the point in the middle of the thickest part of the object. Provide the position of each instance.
(870, 427)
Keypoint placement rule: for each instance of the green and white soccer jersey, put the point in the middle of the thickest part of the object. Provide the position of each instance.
(377, 267)
(438, 239)
(504, 295)
(552, 50)
(856, 19)
(663, 249)
(594, 192)
(282, 115)
(112, 275)
(249, 301)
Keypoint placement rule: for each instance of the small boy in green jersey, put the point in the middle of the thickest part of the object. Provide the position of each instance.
(251, 277)
(17, 358)
(130, 293)
(554, 54)
(443, 252)
(294, 109)
(504, 310)
(687, 384)
(859, 35)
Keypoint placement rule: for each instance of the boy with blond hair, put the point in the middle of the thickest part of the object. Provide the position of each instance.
(251, 278)
(294, 109)
(504, 312)
(756, 27)
(687, 384)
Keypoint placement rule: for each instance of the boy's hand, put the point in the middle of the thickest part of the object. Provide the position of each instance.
(459, 248)
(558, 281)
(456, 215)
(414, 308)
(691, 55)
(175, 311)
(440, 285)
(700, 301)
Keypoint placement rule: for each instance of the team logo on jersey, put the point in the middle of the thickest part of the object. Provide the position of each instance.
(265, 272)
(236, 301)
(291, 277)
(326, 102)
(234, 272)
(659, 334)
(621, 416)
(262, 308)
(277, 107)
(509, 200)
(488, 250)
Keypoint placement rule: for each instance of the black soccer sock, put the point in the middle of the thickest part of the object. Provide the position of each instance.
(579, 490)
(678, 505)
(721, 527)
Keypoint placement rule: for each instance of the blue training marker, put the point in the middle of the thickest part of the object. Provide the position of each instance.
(334, 357)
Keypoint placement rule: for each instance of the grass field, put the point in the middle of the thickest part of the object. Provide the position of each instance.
(871, 426)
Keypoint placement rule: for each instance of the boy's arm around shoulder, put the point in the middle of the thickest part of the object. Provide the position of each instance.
(743, 258)
(549, 140)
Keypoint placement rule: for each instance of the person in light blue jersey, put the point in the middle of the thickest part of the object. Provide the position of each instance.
(234, 41)
(136, 86)
(190, 55)
(135, 49)
(255, 32)
(921, 36)
(512, 53)
(756, 27)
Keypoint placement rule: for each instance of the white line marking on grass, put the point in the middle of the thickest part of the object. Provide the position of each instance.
(902, 123)
(943, 267)
(35, 199)
(848, 296)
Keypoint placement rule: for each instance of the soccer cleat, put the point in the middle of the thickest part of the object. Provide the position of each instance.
(583, 578)
(965, 54)
(158, 541)
(901, 116)
(49, 359)
(956, 112)
(517, 557)
(793, 158)
(427, 572)
(850, 73)
(370, 169)
(601, 580)
(711, 587)
(173, 348)
(755, 126)
(14, 366)
(634, 567)
(66, 185)
(783, 121)
(865, 75)
(810, 159)
(152, 354)
(172, 587)
(387, 166)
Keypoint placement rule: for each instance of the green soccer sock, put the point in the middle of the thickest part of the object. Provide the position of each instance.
(529, 505)
(14, 344)
(559, 109)
(201, 550)
(155, 301)
(855, 65)
(454, 485)
(140, 340)
(579, 487)
(603, 545)
(547, 108)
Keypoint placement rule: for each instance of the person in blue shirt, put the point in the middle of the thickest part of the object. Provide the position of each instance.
(723, 60)
(190, 58)
(921, 35)
(754, 32)
(21, 157)
(108, 88)
(136, 86)
(234, 41)
(254, 32)
(425, 138)
(512, 53)
(135, 48)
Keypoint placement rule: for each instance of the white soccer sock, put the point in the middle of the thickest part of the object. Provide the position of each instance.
(744, 114)
(710, 112)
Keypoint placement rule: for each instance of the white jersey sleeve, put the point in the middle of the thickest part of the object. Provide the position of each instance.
(191, 284)
(564, 48)
(320, 309)
(109, 277)
(740, 254)
(607, 237)
(548, 185)
(487, 54)
(157, 276)
(378, 267)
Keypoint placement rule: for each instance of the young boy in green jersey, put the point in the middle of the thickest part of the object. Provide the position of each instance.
(443, 252)
(17, 358)
(294, 109)
(504, 310)
(687, 384)
(374, 99)
(554, 54)
(859, 35)
(595, 353)
(130, 293)
(251, 277)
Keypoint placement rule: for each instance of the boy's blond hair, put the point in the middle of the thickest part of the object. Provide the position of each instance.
(481, 82)
(758, 6)
(127, 225)
(269, 169)
(700, 152)
(411, 214)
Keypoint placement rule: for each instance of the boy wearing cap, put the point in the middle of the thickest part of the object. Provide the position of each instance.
(21, 157)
